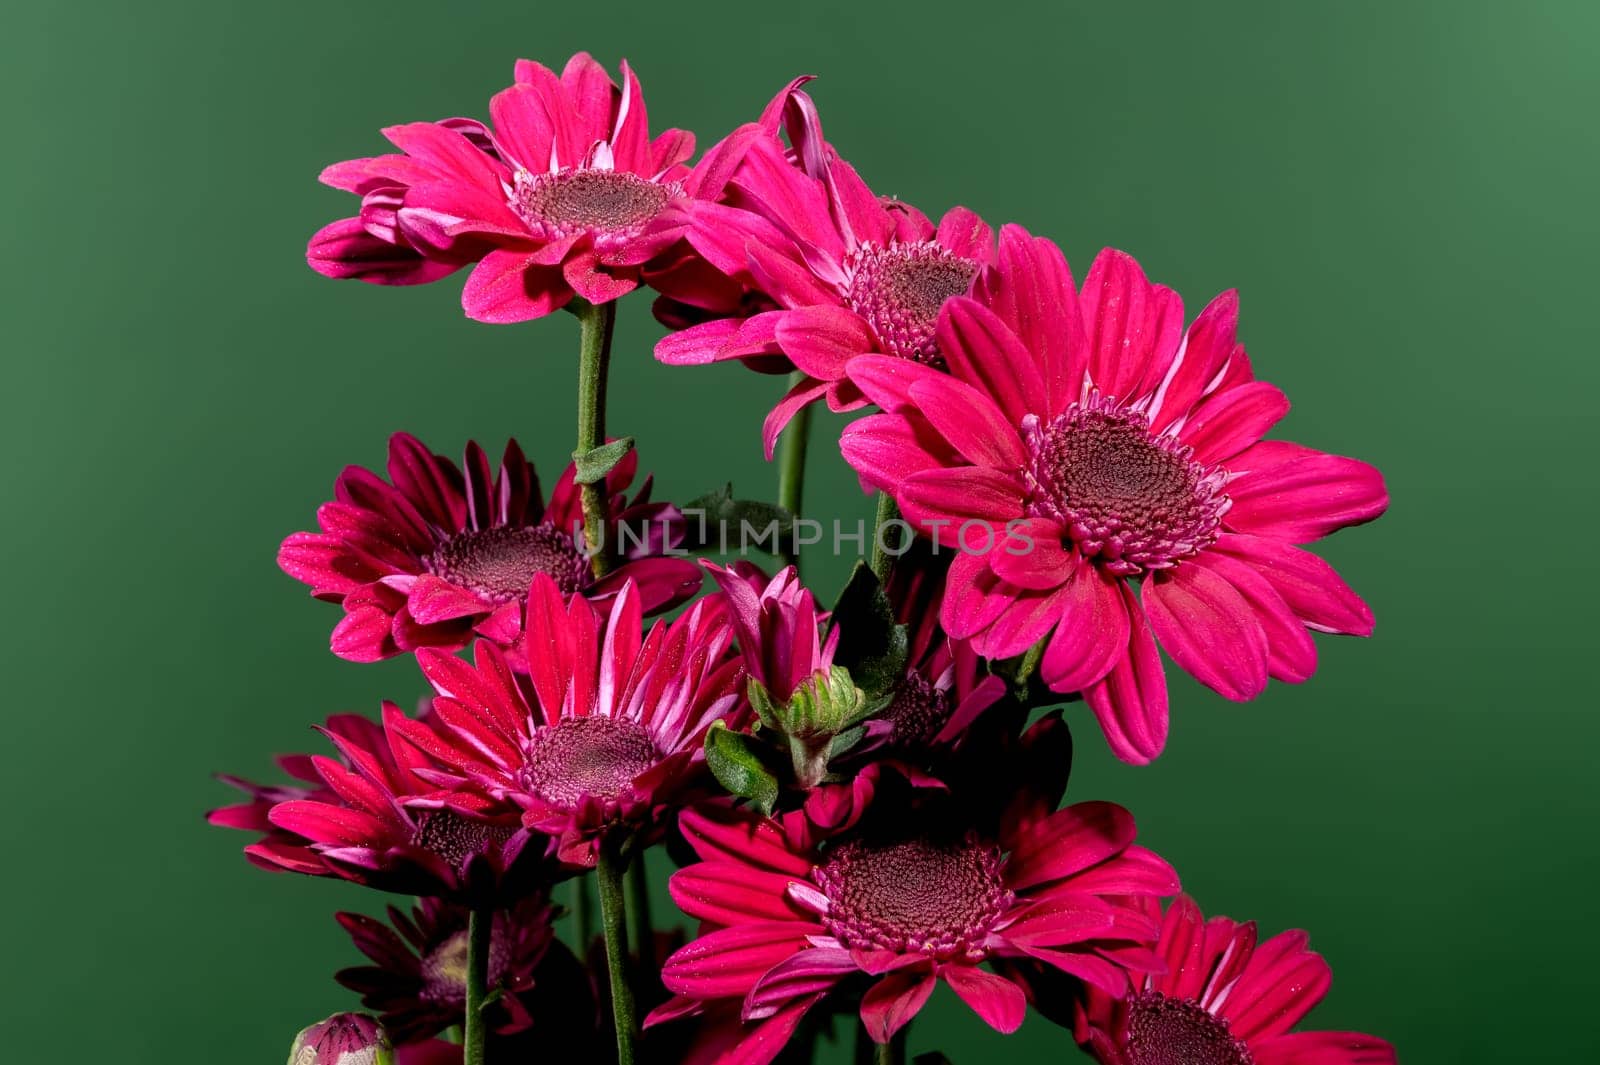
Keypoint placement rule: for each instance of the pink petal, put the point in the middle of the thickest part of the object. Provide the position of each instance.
(1313, 591)
(1207, 348)
(887, 379)
(963, 494)
(1023, 623)
(891, 1003)
(974, 597)
(1324, 1048)
(810, 972)
(886, 449)
(1069, 841)
(1134, 327)
(344, 249)
(730, 961)
(983, 352)
(1033, 556)
(1231, 421)
(972, 424)
(433, 600)
(962, 232)
(1033, 292)
(1291, 653)
(364, 635)
(1209, 630)
(583, 273)
(997, 1000)
(821, 340)
(1299, 494)
(1092, 636)
(805, 391)
(1131, 702)
(508, 286)
(522, 126)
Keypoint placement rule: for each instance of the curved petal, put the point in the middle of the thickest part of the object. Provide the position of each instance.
(1318, 596)
(997, 1000)
(1131, 702)
(891, 1003)
(508, 286)
(1300, 494)
(1209, 630)
(1092, 636)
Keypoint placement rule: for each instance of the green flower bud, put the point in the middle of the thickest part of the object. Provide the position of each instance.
(825, 705)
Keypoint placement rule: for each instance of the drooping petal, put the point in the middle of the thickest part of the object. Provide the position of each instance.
(997, 1000)
(1317, 595)
(1131, 702)
(1209, 630)
(1092, 636)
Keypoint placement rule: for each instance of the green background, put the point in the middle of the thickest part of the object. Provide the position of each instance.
(1402, 191)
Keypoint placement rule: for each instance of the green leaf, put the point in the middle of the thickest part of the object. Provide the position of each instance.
(718, 520)
(594, 465)
(871, 645)
(846, 740)
(738, 768)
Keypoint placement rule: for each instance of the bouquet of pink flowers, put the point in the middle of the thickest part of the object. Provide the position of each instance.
(863, 797)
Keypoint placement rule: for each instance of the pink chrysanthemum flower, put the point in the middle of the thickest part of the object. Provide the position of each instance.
(848, 274)
(564, 195)
(1223, 1000)
(601, 731)
(1103, 473)
(372, 818)
(789, 911)
(417, 979)
(432, 556)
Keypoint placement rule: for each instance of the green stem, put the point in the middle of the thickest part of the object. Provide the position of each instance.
(792, 469)
(480, 927)
(639, 911)
(594, 360)
(882, 557)
(613, 917)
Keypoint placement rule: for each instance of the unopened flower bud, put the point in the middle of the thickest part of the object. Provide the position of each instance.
(343, 1039)
(821, 708)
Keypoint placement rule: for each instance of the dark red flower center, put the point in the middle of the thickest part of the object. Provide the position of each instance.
(444, 968)
(1170, 1031)
(499, 563)
(596, 756)
(455, 838)
(899, 289)
(1129, 499)
(611, 202)
(919, 710)
(914, 896)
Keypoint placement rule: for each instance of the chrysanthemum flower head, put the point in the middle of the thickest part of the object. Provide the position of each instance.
(417, 979)
(564, 194)
(438, 553)
(603, 728)
(790, 910)
(1222, 999)
(372, 817)
(844, 273)
(1101, 475)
